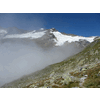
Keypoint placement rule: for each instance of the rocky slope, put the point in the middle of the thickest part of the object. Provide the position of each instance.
(79, 71)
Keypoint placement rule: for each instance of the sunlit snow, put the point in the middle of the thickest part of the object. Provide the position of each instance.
(30, 35)
(60, 38)
(3, 31)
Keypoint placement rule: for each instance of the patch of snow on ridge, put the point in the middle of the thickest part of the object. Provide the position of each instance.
(30, 35)
(41, 28)
(3, 31)
(61, 38)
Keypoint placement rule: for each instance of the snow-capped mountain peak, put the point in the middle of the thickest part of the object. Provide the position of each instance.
(61, 38)
(57, 36)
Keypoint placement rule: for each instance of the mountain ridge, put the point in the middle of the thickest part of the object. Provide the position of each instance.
(58, 37)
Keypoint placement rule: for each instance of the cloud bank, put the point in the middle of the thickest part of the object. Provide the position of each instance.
(18, 59)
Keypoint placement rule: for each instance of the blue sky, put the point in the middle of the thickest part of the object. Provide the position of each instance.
(85, 24)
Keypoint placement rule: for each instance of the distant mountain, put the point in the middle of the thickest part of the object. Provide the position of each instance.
(15, 30)
(48, 35)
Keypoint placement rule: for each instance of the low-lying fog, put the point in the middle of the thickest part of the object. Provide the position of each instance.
(18, 59)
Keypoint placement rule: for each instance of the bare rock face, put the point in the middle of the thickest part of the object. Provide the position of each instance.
(82, 43)
(68, 34)
(47, 40)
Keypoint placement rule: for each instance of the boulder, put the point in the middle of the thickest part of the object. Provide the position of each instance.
(96, 52)
(83, 69)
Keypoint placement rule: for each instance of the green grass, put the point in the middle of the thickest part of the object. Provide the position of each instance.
(93, 79)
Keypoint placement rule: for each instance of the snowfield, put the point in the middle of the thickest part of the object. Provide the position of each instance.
(3, 31)
(60, 38)
(30, 35)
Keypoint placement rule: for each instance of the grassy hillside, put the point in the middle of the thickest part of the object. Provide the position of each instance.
(81, 70)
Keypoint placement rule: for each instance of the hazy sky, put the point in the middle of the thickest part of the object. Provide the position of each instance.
(85, 24)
